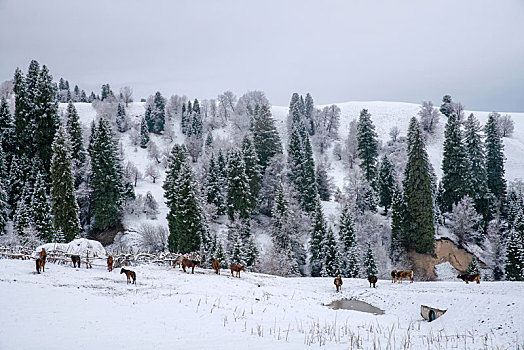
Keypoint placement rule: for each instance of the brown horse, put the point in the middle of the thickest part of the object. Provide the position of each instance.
(393, 276)
(237, 269)
(130, 275)
(216, 265)
(338, 283)
(372, 281)
(191, 264)
(76, 260)
(110, 263)
(40, 262)
(400, 275)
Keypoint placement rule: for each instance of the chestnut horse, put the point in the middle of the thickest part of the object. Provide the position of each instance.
(237, 269)
(76, 260)
(191, 264)
(338, 283)
(216, 265)
(40, 262)
(130, 275)
(110, 263)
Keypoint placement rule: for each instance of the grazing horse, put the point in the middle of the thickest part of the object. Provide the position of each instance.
(338, 283)
(76, 260)
(178, 261)
(466, 277)
(393, 276)
(40, 262)
(372, 280)
(191, 264)
(110, 263)
(237, 269)
(400, 275)
(216, 265)
(130, 275)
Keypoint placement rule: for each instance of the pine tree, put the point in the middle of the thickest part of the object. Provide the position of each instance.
(494, 159)
(398, 209)
(265, 137)
(252, 171)
(75, 134)
(238, 193)
(386, 183)
(41, 211)
(64, 206)
(321, 176)
(186, 220)
(514, 268)
(21, 218)
(309, 109)
(177, 157)
(331, 265)
(144, 134)
(370, 267)
(350, 252)
(419, 229)
(367, 146)
(16, 183)
(121, 119)
(308, 188)
(158, 114)
(455, 167)
(236, 255)
(318, 233)
(473, 266)
(106, 178)
(221, 256)
(7, 131)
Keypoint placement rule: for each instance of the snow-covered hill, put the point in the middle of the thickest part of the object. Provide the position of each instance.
(385, 115)
(68, 308)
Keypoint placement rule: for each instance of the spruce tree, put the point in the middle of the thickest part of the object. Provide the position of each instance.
(41, 211)
(370, 267)
(318, 233)
(265, 137)
(309, 109)
(21, 218)
(16, 183)
(455, 167)
(321, 176)
(158, 114)
(386, 183)
(367, 146)
(63, 201)
(106, 178)
(331, 265)
(4, 205)
(397, 234)
(308, 188)
(177, 157)
(238, 191)
(213, 187)
(74, 130)
(24, 123)
(144, 134)
(7, 131)
(419, 229)
(473, 266)
(494, 159)
(350, 252)
(121, 118)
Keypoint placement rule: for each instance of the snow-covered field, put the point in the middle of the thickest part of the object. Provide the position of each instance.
(67, 308)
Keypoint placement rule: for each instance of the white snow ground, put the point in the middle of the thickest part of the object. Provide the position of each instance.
(68, 308)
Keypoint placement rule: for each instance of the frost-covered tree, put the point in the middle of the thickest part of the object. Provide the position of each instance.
(155, 114)
(318, 234)
(238, 190)
(419, 229)
(150, 205)
(350, 252)
(397, 233)
(429, 117)
(473, 266)
(7, 130)
(331, 265)
(464, 220)
(514, 267)
(367, 146)
(265, 137)
(386, 183)
(252, 169)
(351, 147)
(323, 182)
(64, 206)
(370, 267)
(127, 94)
(122, 122)
(41, 211)
(214, 190)
(494, 158)
(144, 134)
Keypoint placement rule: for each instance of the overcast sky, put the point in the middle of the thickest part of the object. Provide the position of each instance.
(337, 50)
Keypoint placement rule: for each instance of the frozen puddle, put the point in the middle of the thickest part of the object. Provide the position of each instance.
(355, 305)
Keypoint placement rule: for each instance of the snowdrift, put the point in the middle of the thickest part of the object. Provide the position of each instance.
(81, 246)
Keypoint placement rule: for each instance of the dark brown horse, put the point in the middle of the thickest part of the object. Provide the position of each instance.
(191, 264)
(372, 281)
(237, 269)
(129, 274)
(216, 265)
(110, 263)
(338, 283)
(40, 262)
(76, 260)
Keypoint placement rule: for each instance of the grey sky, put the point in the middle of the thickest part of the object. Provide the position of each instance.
(336, 50)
